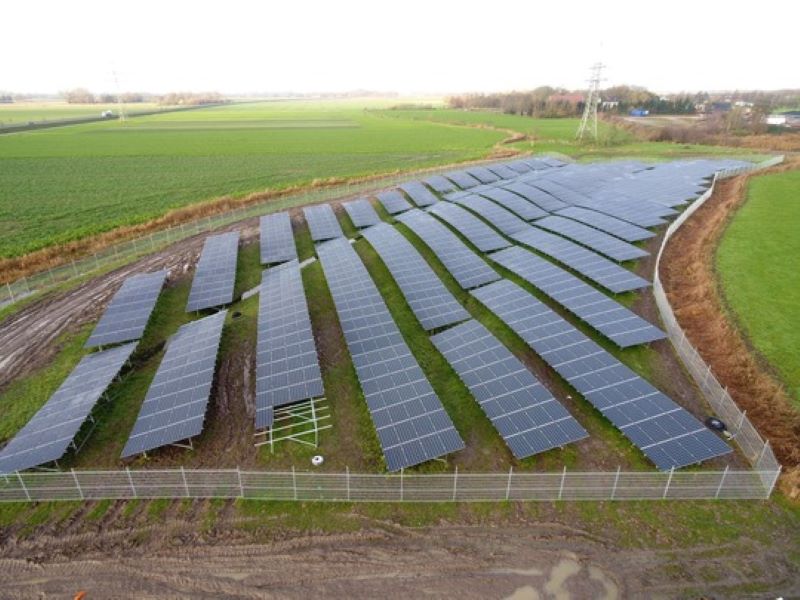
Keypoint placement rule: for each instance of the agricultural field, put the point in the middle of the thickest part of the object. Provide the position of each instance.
(66, 183)
(757, 265)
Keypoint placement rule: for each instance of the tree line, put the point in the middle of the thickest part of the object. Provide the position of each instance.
(84, 96)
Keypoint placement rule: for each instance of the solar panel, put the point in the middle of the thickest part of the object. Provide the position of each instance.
(408, 416)
(610, 275)
(361, 213)
(277, 239)
(619, 324)
(506, 222)
(621, 229)
(516, 204)
(503, 171)
(127, 314)
(468, 269)
(393, 201)
(175, 405)
(322, 222)
(216, 272)
(440, 184)
(462, 179)
(522, 410)
(421, 195)
(540, 198)
(431, 302)
(479, 234)
(287, 368)
(52, 430)
(592, 238)
(483, 174)
(667, 434)
(519, 167)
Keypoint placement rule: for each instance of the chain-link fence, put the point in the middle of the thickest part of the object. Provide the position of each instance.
(360, 487)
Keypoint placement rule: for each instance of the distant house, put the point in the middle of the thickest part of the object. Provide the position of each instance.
(718, 107)
(792, 118)
(609, 104)
(776, 119)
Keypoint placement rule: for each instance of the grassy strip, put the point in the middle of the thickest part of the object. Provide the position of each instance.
(756, 263)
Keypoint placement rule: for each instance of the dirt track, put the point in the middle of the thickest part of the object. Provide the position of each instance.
(517, 559)
(690, 282)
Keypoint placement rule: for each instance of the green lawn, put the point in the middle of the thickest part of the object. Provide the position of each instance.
(58, 185)
(24, 112)
(757, 264)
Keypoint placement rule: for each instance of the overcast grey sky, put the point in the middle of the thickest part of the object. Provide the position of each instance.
(410, 46)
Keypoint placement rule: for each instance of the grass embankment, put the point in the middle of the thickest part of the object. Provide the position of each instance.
(757, 266)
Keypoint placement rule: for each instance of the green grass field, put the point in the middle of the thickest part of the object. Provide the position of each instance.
(757, 264)
(62, 184)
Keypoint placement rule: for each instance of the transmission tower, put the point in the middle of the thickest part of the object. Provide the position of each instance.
(592, 100)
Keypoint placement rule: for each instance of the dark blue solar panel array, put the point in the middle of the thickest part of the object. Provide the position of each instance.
(593, 238)
(440, 184)
(287, 368)
(507, 222)
(393, 201)
(468, 269)
(277, 239)
(420, 194)
(175, 405)
(216, 272)
(322, 222)
(483, 174)
(433, 305)
(522, 410)
(516, 204)
(610, 275)
(619, 324)
(361, 213)
(126, 316)
(540, 198)
(52, 430)
(617, 227)
(503, 171)
(669, 435)
(479, 234)
(462, 179)
(409, 418)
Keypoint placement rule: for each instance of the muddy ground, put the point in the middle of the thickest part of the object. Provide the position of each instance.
(517, 557)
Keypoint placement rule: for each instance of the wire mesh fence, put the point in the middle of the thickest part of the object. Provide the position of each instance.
(361, 487)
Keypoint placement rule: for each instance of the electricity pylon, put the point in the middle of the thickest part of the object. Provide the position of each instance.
(592, 100)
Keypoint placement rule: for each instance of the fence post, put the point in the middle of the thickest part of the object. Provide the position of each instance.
(347, 474)
(774, 481)
(294, 483)
(401, 484)
(74, 268)
(721, 481)
(455, 484)
(24, 487)
(669, 480)
(616, 481)
(10, 293)
(241, 485)
(185, 483)
(761, 454)
(130, 481)
(561, 487)
(741, 422)
(77, 484)
(508, 484)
